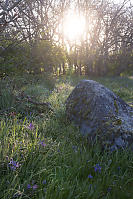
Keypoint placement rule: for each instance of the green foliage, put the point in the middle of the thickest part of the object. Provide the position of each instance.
(46, 57)
(122, 86)
(46, 157)
(41, 56)
(6, 96)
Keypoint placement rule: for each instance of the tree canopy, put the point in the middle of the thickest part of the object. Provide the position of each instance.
(34, 36)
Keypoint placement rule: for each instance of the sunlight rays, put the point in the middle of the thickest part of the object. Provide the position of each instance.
(74, 26)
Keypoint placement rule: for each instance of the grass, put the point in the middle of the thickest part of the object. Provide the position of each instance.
(42, 155)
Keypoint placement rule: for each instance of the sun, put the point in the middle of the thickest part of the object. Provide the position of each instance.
(74, 27)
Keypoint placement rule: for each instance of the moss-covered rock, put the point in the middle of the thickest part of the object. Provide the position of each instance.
(100, 113)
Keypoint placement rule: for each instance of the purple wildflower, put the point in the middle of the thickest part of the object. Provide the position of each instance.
(109, 189)
(44, 182)
(119, 168)
(29, 186)
(45, 190)
(13, 165)
(97, 168)
(30, 126)
(90, 176)
(7, 158)
(42, 143)
(35, 186)
(75, 149)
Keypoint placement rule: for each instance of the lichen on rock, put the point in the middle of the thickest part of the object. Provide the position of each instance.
(101, 114)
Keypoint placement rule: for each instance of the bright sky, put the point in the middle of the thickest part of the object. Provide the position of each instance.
(74, 26)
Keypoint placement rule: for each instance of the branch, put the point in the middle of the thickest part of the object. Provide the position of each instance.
(9, 9)
(24, 97)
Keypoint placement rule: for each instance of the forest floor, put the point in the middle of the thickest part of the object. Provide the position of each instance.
(42, 155)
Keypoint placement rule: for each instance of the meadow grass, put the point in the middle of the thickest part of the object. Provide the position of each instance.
(42, 155)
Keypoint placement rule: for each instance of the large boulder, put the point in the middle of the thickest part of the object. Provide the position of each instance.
(101, 115)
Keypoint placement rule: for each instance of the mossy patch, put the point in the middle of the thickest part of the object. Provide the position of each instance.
(116, 106)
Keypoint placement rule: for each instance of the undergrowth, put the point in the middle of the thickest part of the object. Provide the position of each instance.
(42, 155)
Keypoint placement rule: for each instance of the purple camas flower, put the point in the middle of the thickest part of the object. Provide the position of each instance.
(42, 143)
(118, 168)
(7, 158)
(13, 165)
(29, 186)
(75, 149)
(30, 126)
(90, 176)
(44, 181)
(97, 168)
(33, 186)
(109, 189)
(45, 190)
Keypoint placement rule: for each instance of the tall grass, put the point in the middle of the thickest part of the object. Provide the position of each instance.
(44, 156)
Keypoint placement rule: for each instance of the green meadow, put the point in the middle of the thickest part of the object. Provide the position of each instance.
(43, 156)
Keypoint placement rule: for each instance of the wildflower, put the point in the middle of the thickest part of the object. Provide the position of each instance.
(45, 190)
(33, 186)
(30, 126)
(109, 189)
(42, 143)
(97, 168)
(90, 176)
(13, 165)
(29, 186)
(75, 149)
(7, 158)
(44, 182)
(58, 151)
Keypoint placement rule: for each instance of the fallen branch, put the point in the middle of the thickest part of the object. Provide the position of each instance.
(27, 98)
(46, 104)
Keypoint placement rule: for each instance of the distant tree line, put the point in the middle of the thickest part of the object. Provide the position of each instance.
(32, 37)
